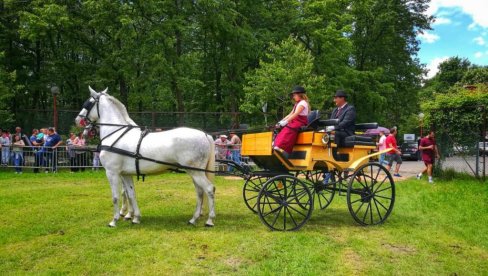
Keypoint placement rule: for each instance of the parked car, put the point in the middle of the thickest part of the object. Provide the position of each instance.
(410, 151)
(483, 148)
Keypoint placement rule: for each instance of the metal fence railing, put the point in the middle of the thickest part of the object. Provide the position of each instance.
(50, 159)
(43, 159)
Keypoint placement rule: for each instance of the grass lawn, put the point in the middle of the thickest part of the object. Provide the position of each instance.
(56, 224)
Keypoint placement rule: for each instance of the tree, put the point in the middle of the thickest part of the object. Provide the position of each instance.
(285, 65)
(475, 75)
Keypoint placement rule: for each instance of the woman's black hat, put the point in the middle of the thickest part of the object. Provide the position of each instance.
(298, 89)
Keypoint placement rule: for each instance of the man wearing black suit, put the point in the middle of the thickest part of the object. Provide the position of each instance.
(346, 114)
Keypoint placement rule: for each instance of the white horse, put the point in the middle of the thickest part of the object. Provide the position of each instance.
(180, 147)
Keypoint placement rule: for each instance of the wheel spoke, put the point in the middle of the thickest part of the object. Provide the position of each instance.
(291, 217)
(253, 197)
(382, 190)
(297, 211)
(367, 208)
(379, 186)
(284, 219)
(383, 197)
(371, 212)
(360, 206)
(272, 211)
(377, 201)
(377, 209)
(277, 190)
(277, 216)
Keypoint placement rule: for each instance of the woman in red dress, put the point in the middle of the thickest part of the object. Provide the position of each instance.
(291, 124)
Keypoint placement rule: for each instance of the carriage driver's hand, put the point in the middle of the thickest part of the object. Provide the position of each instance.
(330, 128)
(282, 123)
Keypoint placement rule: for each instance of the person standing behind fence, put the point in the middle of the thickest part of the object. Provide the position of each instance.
(96, 160)
(53, 141)
(394, 155)
(80, 151)
(36, 144)
(429, 150)
(70, 147)
(235, 154)
(382, 146)
(5, 145)
(17, 150)
(222, 146)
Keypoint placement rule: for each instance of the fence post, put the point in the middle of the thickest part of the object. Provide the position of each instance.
(484, 143)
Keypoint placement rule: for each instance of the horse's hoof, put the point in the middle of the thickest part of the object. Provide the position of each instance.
(127, 218)
(208, 225)
(112, 224)
(191, 223)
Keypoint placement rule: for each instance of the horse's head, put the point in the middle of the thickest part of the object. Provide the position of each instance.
(90, 112)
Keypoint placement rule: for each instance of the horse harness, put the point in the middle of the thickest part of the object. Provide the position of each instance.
(88, 105)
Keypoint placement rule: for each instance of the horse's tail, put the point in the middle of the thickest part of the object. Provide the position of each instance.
(211, 160)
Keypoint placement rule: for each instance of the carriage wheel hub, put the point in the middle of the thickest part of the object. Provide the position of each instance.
(366, 195)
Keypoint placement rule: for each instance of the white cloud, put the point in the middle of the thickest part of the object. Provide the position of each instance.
(442, 21)
(477, 9)
(429, 37)
(433, 66)
(479, 40)
(478, 54)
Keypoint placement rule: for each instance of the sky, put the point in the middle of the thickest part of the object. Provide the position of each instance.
(460, 29)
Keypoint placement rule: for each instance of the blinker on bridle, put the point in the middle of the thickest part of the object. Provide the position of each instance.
(88, 105)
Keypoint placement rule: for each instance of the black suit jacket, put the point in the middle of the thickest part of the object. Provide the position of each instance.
(347, 119)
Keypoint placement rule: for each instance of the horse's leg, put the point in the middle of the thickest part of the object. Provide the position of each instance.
(127, 211)
(131, 194)
(198, 211)
(114, 179)
(206, 185)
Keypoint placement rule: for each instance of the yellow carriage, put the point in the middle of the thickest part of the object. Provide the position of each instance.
(288, 188)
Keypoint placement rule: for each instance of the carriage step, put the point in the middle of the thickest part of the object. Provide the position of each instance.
(282, 156)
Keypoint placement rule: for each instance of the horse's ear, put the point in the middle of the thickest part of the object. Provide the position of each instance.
(93, 93)
(104, 91)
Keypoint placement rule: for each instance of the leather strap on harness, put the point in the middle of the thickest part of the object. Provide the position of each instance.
(138, 155)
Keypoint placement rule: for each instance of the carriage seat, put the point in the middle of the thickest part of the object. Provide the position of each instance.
(357, 140)
(365, 126)
(313, 119)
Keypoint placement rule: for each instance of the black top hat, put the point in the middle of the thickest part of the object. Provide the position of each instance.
(340, 93)
(298, 89)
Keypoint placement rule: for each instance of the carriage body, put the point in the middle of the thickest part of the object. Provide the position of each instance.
(309, 153)
(287, 188)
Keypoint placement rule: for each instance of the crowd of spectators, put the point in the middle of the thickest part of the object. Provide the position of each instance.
(44, 145)
(228, 149)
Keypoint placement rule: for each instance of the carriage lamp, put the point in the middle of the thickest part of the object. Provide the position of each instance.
(325, 139)
(55, 92)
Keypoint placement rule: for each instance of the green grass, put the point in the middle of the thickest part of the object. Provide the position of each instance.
(56, 224)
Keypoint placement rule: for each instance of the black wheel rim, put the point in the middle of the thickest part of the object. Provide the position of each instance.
(251, 190)
(323, 192)
(285, 203)
(371, 194)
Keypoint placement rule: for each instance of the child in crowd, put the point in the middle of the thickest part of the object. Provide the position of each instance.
(5, 145)
(18, 153)
(96, 160)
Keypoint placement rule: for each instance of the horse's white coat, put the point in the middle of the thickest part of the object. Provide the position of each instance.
(184, 146)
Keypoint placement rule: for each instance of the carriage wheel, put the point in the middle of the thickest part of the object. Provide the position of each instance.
(371, 194)
(322, 192)
(251, 190)
(285, 203)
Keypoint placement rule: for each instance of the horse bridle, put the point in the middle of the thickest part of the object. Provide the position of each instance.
(88, 105)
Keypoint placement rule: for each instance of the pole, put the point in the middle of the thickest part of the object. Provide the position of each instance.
(55, 111)
(484, 143)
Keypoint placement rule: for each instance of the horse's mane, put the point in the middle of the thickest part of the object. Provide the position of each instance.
(122, 109)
